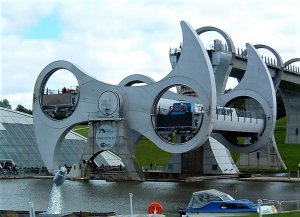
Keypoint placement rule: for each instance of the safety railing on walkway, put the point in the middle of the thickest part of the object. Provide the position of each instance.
(281, 206)
(231, 114)
(289, 206)
(23, 173)
(153, 168)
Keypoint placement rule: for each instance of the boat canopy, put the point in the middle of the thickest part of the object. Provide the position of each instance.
(201, 198)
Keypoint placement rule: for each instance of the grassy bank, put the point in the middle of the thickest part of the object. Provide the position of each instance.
(288, 152)
(147, 153)
(82, 130)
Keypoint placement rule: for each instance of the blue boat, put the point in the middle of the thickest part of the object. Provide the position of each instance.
(216, 203)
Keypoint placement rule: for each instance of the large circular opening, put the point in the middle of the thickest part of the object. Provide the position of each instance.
(177, 114)
(60, 94)
(242, 121)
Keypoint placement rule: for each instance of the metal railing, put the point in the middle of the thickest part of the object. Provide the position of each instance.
(295, 69)
(153, 168)
(281, 206)
(23, 173)
(289, 206)
(71, 89)
(239, 114)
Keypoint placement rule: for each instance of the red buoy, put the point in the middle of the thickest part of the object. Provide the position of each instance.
(155, 208)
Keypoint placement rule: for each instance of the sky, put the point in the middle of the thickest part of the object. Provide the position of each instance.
(111, 40)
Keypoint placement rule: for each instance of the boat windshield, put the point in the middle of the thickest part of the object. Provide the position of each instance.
(201, 198)
(226, 197)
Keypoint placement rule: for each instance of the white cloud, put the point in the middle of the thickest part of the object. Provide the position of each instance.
(17, 16)
(113, 39)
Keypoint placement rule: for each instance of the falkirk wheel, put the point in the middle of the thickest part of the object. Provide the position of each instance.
(179, 113)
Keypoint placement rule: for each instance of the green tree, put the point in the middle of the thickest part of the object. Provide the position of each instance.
(21, 108)
(238, 102)
(5, 104)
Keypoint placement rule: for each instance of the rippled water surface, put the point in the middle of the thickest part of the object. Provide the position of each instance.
(101, 196)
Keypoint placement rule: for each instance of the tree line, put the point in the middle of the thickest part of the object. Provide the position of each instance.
(5, 104)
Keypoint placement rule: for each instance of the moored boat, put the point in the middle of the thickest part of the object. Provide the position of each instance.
(216, 203)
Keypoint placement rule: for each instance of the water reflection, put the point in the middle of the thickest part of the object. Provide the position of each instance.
(101, 196)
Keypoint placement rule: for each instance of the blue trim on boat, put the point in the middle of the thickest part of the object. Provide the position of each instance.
(234, 206)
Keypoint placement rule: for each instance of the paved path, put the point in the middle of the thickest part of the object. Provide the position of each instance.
(270, 179)
(257, 178)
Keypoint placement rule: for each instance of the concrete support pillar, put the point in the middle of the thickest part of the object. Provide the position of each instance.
(192, 162)
(211, 158)
(125, 151)
(122, 148)
(268, 157)
(174, 165)
(210, 165)
(89, 151)
(222, 65)
(291, 100)
(217, 159)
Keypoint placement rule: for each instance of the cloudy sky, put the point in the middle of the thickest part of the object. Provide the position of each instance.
(113, 39)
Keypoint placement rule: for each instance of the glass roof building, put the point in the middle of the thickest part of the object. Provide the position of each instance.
(17, 143)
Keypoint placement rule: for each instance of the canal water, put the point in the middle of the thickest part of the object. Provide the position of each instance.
(102, 196)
